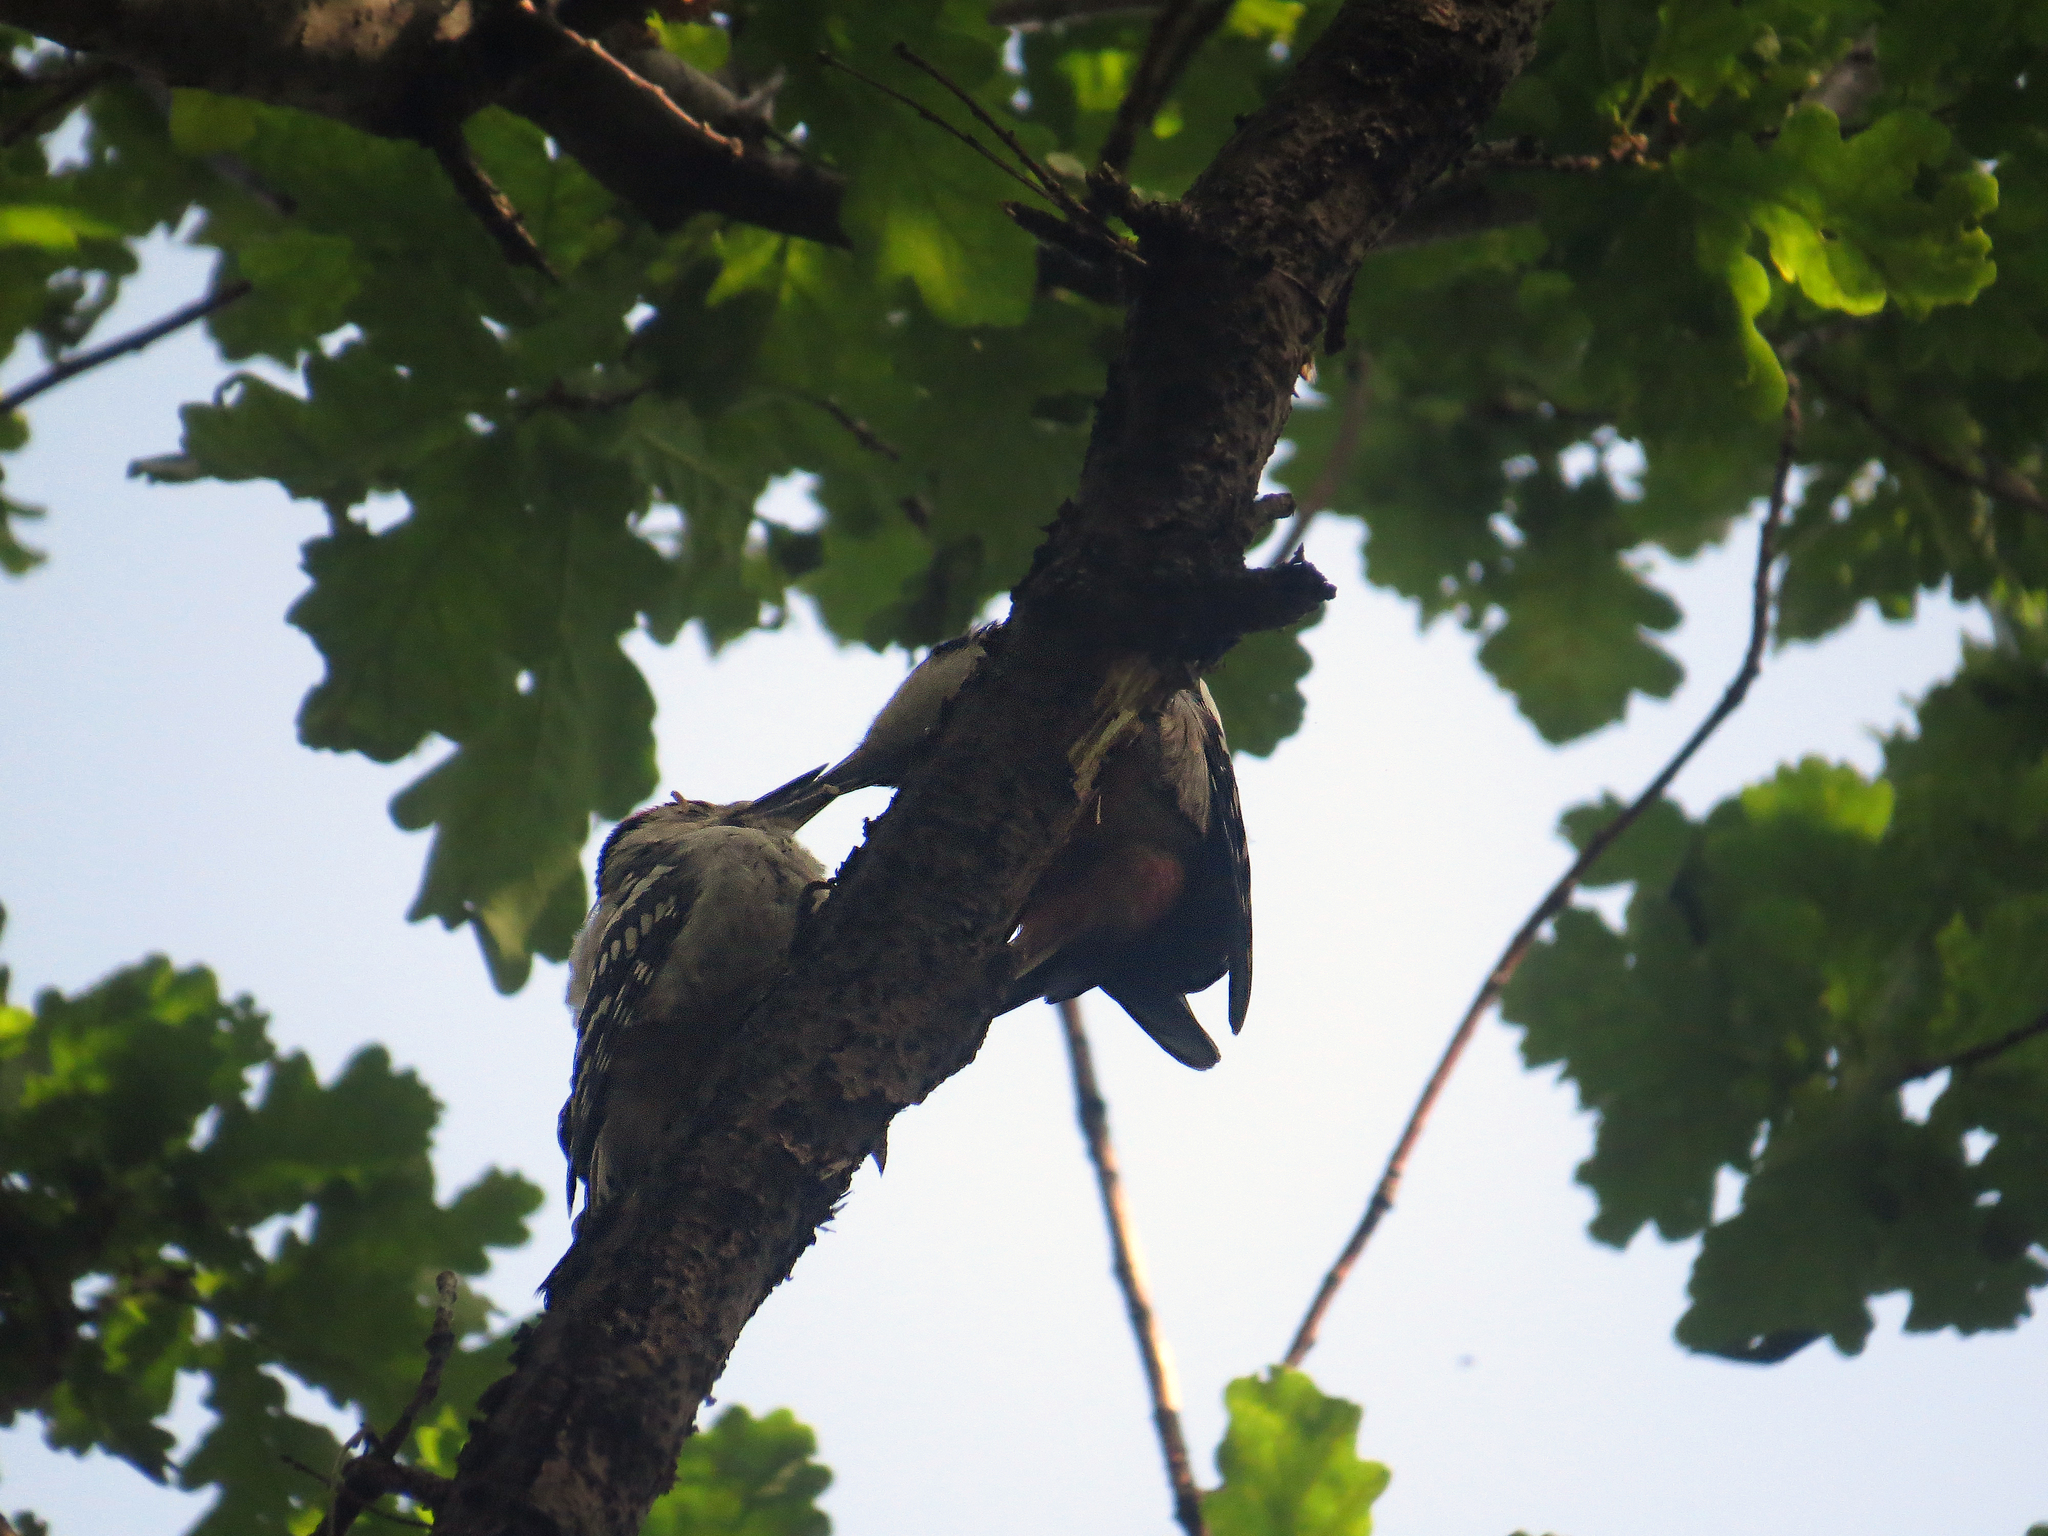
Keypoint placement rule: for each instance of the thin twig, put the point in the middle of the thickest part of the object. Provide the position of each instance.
(1343, 449)
(361, 1482)
(67, 88)
(1560, 894)
(1996, 481)
(1030, 15)
(1525, 154)
(440, 1345)
(1049, 185)
(1130, 1274)
(559, 397)
(321, 1477)
(491, 208)
(134, 341)
(1181, 28)
(1977, 1053)
(863, 434)
(981, 149)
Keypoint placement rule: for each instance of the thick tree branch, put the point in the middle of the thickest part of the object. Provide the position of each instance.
(1558, 896)
(1093, 1114)
(415, 68)
(891, 987)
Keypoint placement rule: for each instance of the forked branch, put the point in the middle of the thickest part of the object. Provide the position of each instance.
(378, 1471)
(1560, 894)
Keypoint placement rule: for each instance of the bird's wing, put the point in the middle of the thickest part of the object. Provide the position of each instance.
(1224, 848)
(636, 939)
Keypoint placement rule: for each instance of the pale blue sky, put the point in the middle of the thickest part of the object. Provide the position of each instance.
(954, 1337)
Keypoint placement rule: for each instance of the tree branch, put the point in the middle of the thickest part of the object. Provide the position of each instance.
(67, 87)
(891, 986)
(413, 69)
(1560, 894)
(1183, 26)
(1093, 1114)
(81, 362)
(490, 207)
(367, 1478)
(1998, 481)
(1330, 479)
(1030, 15)
(1977, 1054)
(863, 434)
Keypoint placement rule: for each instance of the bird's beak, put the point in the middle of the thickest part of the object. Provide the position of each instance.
(797, 801)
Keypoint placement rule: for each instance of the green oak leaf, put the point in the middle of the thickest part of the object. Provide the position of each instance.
(1290, 1462)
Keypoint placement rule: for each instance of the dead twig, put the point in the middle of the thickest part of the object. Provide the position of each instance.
(1030, 15)
(1330, 479)
(66, 87)
(1560, 894)
(134, 341)
(1526, 154)
(834, 62)
(491, 208)
(365, 1479)
(1093, 1114)
(321, 1477)
(1049, 186)
(863, 434)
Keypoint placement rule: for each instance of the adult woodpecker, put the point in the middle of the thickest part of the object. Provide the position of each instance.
(1150, 898)
(697, 907)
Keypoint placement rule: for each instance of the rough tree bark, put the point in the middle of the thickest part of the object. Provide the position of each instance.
(415, 69)
(1143, 573)
(1141, 578)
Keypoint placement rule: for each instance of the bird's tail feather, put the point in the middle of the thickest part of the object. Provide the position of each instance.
(1167, 1018)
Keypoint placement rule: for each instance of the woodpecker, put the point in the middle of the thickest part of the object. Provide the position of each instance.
(1150, 898)
(697, 907)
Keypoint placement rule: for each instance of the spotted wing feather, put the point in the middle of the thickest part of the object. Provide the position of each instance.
(1224, 846)
(630, 952)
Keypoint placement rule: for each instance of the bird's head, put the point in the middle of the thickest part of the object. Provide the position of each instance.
(643, 837)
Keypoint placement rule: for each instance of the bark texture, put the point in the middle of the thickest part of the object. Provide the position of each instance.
(416, 69)
(1141, 580)
(1142, 577)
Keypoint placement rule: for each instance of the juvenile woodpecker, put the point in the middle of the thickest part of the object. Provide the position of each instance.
(697, 906)
(1150, 898)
